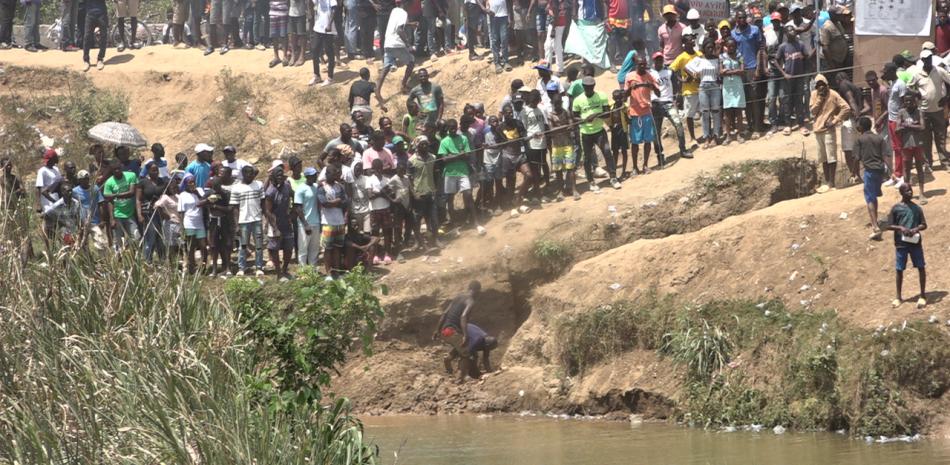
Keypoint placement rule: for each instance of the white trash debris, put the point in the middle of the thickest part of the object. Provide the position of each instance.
(615, 286)
(793, 276)
(933, 319)
(804, 288)
(521, 393)
(779, 429)
(843, 216)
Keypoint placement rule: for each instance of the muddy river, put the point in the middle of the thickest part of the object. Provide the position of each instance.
(469, 440)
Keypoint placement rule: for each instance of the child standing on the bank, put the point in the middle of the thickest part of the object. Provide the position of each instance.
(869, 149)
(907, 221)
(562, 149)
(619, 127)
(380, 217)
(911, 127)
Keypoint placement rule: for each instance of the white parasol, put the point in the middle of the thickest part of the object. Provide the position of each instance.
(117, 134)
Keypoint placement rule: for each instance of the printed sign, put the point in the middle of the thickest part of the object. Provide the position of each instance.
(893, 17)
(715, 9)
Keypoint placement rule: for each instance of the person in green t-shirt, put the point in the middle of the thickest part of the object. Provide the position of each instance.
(591, 107)
(455, 153)
(119, 191)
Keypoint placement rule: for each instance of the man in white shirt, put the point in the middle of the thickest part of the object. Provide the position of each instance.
(236, 164)
(324, 37)
(664, 107)
(46, 176)
(246, 198)
(396, 53)
(930, 81)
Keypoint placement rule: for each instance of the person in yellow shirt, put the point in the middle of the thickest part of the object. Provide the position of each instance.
(690, 84)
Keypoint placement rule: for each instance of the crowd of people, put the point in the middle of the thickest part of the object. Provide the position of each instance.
(375, 190)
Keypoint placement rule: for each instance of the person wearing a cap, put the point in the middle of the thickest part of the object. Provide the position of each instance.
(694, 27)
(670, 34)
(232, 161)
(805, 30)
(396, 52)
(931, 82)
(546, 82)
(516, 88)
(663, 106)
(201, 167)
(92, 201)
(46, 176)
(295, 177)
(120, 190)
(897, 90)
(308, 234)
(690, 85)
(158, 158)
(834, 45)
(591, 107)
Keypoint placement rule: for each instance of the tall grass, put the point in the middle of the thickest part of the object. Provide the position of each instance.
(104, 360)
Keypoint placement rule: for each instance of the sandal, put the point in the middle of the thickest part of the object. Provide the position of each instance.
(274, 62)
(787, 132)
(896, 303)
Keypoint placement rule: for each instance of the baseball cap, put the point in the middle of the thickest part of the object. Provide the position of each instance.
(82, 174)
(669, 9)
(724, 23)
(928, 45)
(795, 7)
(543, 67)
(517, 98)
(552, 86)
(275, 164)
(926, 53)
(588, 81)
(524, 89)
(309, 171)
(229, 149)
(49, 154)
(418, 140)
(691, 14)
(203, 148)
(398, 140)
(657, 55)
(776, 16)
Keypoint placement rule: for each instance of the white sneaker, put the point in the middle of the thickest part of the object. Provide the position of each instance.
(313, 81)
(899, 183)
(615, 183)
(259, 272)
(594, 188)
(240, 273)
(600, 173)
(481, 230)
(888, 183)
(326, 82)
(822, 189)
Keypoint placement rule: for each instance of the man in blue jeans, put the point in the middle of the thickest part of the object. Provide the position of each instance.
(498, 25)
(31, 23)
(907, 221)
(246, 199)
(96, 17)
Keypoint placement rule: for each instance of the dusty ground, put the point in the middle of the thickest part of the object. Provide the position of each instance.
(811, 252)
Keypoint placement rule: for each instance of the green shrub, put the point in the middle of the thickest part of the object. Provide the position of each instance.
(552, 254)
(301, 330)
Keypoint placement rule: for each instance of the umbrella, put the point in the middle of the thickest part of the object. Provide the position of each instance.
(117, 134)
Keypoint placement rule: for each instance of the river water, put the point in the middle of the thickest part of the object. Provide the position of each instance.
(507, 440)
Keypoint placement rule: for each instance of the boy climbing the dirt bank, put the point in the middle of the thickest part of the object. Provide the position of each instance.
(869, 150)
(478, 341)
(907, 221)
(453, 327)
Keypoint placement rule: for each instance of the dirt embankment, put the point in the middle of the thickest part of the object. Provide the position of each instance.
(726, 225)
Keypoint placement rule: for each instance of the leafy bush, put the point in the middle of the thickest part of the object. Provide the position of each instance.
(704, 349)
(301, 330)
(87, 106)
(552, 253)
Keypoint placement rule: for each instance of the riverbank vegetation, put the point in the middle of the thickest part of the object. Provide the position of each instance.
(104, 359)
(745, 362)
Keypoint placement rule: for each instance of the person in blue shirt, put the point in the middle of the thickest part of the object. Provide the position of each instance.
(751, 46)
(477, 341)
(158, 157)
(90, 197)
(201, 167)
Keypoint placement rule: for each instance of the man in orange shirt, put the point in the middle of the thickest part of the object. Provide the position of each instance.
(640, 85)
